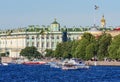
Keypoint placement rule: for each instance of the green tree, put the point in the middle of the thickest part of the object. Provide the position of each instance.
(89, 37)
(30, 52)
(114, 48)
(74, 45)
(59, 50)
(104, 41)
(49, 53)
(80, 49)
(63, 49)
(91, 51)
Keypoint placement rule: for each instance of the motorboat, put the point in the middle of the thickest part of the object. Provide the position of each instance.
(73, 64)
(53, 64)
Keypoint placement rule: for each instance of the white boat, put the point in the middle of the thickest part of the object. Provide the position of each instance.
(54, 64)
(73, 64)
(5, 64)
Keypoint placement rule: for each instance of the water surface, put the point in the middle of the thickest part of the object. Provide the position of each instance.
(44, 73)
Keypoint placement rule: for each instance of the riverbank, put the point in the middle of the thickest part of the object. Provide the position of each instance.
(104, 63)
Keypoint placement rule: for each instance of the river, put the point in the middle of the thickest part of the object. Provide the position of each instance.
(44, 73)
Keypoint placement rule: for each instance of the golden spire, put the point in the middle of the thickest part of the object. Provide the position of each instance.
(103, 21)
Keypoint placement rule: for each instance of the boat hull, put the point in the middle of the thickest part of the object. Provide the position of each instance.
(34, 63)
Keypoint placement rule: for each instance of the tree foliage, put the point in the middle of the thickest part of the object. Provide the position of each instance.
(91, 51)
(89, 37)
(80, 51)
(30, 52)
(88, 46)
(49, 53)
(63, 50)
(104, 42)
(114, 48)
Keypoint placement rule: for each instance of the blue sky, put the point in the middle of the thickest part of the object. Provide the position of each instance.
(20, 13)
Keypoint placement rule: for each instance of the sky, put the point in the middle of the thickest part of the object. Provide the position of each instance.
(21, 13)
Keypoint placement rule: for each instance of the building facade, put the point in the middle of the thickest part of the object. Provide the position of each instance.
(12, 43)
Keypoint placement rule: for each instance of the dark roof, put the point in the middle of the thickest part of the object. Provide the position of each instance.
(55, 22)
(94, 28)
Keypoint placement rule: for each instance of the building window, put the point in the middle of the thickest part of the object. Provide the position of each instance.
(47, 44)
(27, 44)
(27, 37)
(32, 43)
(52, 37)
(52, 44)
(57, 37)
(37, 44)
(47, 36)
(32, 37)
(42, 36)
(42, 44)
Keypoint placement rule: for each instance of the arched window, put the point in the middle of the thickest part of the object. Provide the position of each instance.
(32, 37)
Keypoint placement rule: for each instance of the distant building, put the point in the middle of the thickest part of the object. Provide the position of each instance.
(12, 41)
(46, 38)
